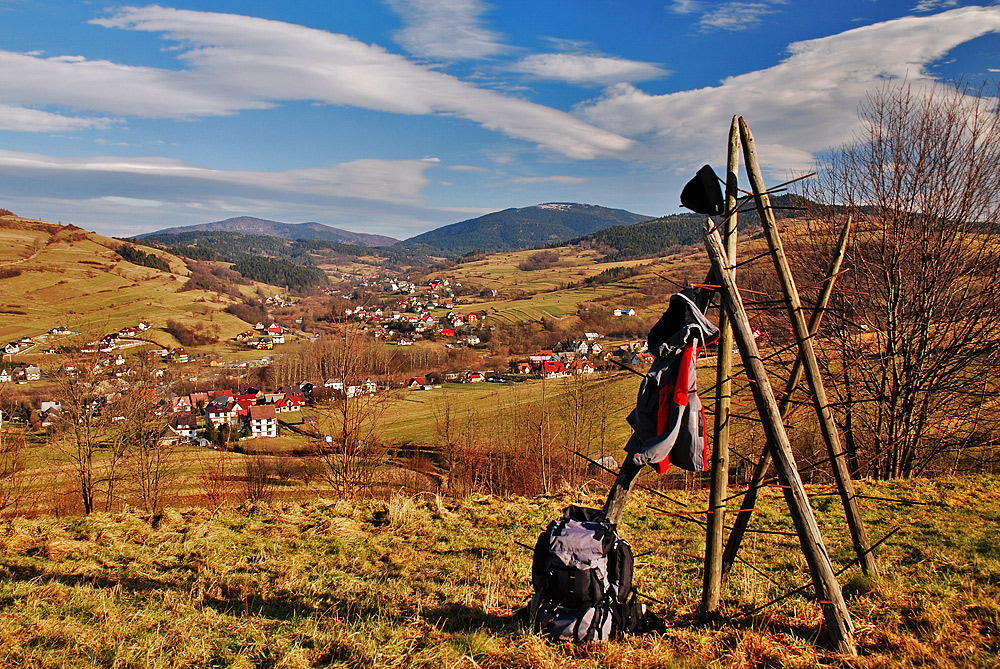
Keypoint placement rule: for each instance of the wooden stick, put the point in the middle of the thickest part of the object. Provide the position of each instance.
(714, 539)
(828, 593)
(852, 508)
(760, 471)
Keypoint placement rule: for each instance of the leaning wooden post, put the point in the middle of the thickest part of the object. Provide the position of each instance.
(828, 592)
(714, 540)
(859, 536)
(750, 499)
(619, 493)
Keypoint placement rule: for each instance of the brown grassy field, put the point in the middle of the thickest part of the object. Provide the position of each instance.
(432, 582)
(74, 278)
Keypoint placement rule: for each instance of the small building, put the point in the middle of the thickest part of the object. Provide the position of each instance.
(180, 404)
(182, 427)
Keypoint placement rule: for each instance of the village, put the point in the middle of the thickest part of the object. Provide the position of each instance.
(130, 360)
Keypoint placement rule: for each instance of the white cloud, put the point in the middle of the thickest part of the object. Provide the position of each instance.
(804, 105)
(447, 29)
(467, 168)
(23, 119)
(585, 69)
(239, 62)
(129, 201)
(559, 179)
(382, 180)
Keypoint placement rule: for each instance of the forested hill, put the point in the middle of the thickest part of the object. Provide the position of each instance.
(248, 225)
(663, 235)
(515, 229)
(234, 247)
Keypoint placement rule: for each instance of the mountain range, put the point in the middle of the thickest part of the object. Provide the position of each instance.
(507, 230)
(248, 225)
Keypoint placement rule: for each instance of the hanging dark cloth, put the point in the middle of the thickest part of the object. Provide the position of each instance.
(669, 420)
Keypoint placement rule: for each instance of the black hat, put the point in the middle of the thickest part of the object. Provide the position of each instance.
(703, 194)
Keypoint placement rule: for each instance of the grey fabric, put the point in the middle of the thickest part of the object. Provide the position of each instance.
(682, 440)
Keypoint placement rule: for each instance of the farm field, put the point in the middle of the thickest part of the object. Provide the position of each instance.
(558, 291)
(432, 582)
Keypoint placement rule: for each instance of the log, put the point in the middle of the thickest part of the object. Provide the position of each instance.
(714, 539)
(828, 593)
(760, 471)
(841, 473)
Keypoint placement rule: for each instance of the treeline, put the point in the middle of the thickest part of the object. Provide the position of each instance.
(138, 257)
(215, 278)
(280, 273)
(612, 274)
(287, 257)
(644, 240)
(664, 235)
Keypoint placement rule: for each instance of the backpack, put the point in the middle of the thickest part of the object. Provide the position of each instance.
(582, 575)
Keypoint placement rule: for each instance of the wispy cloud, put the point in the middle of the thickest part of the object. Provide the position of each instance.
(728, 15)
(383, 180)
(737, 15)
(587, 69)
(113, 194)
(804, 105)
(24, 119)
(558, 179)
(239, 62)
(934, 5)
(446, 29)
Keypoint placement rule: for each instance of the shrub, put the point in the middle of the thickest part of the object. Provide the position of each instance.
(190, 337)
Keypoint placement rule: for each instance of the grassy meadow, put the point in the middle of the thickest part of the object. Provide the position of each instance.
(432, 582)
(74, 278)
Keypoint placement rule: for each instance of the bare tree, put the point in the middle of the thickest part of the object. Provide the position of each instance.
(349, 440)
(13, 472)
(922, 313)
(583, 415)
(83, 425)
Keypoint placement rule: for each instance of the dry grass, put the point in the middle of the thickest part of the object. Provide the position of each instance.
(429, 582)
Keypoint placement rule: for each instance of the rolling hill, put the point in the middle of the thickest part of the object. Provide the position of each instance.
(248, 225)
(528, 227)
(53, 275)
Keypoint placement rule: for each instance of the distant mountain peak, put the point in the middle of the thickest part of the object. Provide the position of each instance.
(521, 228)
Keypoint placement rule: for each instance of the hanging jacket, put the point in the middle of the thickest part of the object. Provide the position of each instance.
(668, 419)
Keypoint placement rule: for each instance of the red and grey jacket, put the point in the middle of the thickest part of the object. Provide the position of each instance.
(668, 420)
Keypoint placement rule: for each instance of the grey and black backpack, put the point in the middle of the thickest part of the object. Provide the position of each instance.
(582, 575)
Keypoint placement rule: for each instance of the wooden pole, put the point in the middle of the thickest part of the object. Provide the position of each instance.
(845, 485)
(714, 540)
(828, 592)
(750, 499)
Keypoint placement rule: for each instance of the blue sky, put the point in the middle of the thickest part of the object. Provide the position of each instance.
(399, 116)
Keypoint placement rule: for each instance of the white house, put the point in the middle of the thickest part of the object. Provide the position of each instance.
(263, 421)
(183, 427)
